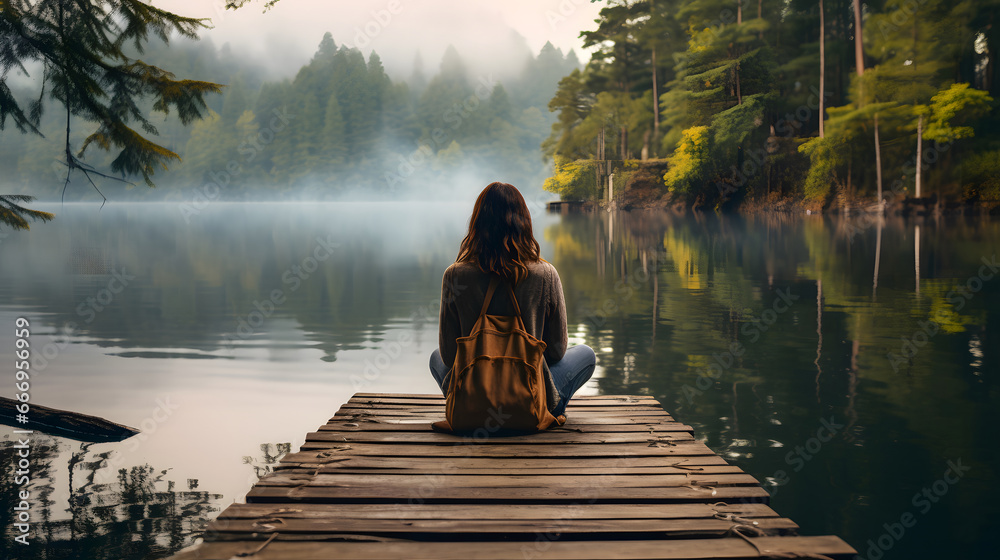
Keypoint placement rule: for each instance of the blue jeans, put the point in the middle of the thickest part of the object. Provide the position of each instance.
(569, 374)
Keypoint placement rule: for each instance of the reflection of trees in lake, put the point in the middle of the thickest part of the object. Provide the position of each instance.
(710, 278)
(142, 514)
(194, 282)
(271, 453)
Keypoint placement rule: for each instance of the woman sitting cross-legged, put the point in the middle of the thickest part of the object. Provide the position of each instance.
(500, 252)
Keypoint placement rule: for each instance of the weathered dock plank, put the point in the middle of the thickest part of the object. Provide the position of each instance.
(678, 549)
(489, 465)
(499, 511)
(369, 425)
(544, 438)
(621, 479)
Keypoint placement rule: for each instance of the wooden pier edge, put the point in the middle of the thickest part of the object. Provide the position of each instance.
(622, 479)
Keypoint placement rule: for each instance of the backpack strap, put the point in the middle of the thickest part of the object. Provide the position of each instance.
(489, 295)
(513, 299)
(517, 307)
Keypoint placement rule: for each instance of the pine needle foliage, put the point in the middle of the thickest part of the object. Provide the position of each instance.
(79, 46)
(16, 216)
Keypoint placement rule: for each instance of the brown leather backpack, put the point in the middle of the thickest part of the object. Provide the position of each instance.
(497, 381)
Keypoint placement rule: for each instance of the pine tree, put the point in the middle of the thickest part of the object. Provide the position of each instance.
(333, 146)
(537, 83)
(572, 102)
(441, 104)
(235, 102)
(400, 122)
(418, 80)
(17, 216)
(358, 93)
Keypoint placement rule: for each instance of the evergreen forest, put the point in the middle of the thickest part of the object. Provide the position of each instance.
(730, 94)
(340, 128)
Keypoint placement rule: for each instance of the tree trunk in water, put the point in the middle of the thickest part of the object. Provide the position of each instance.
(819, 333)
(599, 171)
(656, 103)
(916, 256)
(878, 252)
(920, 146)
(850, 165)
(822, 70)
(656, 294)
(852, 389)
(878, 166)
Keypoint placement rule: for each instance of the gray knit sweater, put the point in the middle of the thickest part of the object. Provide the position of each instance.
(539, 296)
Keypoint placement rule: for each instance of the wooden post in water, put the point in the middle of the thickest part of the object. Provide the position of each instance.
(920, 142)
(916, 255)
(878, 167)
(878, 250)
(656, 299)
(611, 231)
(819, 332)
(611, 190)
(852, 387)
(599, 164)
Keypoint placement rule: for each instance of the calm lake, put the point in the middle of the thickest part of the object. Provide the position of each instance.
(845, 363)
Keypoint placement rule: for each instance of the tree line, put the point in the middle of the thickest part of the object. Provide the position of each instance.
(827, 100)
(340, 126)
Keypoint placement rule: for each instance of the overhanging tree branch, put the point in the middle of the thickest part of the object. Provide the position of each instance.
(80, 46)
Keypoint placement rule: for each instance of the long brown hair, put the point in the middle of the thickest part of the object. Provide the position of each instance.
(500, 238)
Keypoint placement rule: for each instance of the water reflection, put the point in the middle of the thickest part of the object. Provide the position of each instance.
(270, 454)
(879, 343)
(82, 506)
(755, 330)
(140, 512)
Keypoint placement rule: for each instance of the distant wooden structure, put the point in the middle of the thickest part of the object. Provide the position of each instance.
(621, 479)
(564, 206)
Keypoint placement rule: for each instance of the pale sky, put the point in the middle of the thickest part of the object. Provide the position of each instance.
(287, 35)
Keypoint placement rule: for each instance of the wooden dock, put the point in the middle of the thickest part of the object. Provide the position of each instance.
(621, 479)
(564, 206)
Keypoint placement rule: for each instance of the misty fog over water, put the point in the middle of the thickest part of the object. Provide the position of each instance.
(251, 323)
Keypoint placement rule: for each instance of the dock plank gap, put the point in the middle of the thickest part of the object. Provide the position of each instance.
(621, 479)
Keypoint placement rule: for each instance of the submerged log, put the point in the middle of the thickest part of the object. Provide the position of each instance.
(64, 423)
